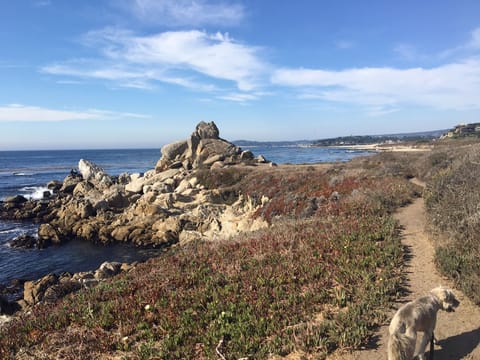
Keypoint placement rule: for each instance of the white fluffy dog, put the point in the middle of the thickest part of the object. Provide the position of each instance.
(417, 315)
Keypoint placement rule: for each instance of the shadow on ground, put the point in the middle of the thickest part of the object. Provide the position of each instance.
(458, 346)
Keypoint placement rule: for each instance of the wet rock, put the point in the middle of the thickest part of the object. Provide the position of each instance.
(17, 199)
(3, 305)
(47, 233)
(24, 242)
(54, 185)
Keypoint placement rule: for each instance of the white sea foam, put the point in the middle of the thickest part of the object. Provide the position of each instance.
(23, 173)
(35, 192)
(9, 230)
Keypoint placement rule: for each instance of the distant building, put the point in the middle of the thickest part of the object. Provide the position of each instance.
(463, 130)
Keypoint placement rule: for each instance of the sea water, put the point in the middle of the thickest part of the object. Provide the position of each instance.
(28, 172)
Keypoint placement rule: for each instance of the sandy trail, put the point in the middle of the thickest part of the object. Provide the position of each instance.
(458, 333)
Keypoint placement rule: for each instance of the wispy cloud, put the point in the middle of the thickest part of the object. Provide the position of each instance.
(344, 44)
(42, 3)
(451, 86)
(26, 113)
(469, 47)
(409, 52)
(184, 12)
(184, 58)
(238, 97)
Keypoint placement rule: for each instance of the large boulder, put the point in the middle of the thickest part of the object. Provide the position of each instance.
(94, 173)
(174, 150)
(202, 149)
(206, 131)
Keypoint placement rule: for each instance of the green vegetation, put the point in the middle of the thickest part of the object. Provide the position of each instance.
(329, 265)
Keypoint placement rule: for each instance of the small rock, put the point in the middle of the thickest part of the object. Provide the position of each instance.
(246, 155)
(261, 159)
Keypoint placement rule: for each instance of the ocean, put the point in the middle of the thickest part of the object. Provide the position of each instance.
(27, 173)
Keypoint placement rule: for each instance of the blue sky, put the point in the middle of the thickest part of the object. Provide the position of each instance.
(142, 73)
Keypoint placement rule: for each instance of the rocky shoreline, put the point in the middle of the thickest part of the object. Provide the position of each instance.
(164, 206)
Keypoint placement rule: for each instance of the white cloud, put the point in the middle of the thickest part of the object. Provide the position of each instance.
(180, 57)
(451, 86)
(185, 12)
(25, 113)
(238, 97)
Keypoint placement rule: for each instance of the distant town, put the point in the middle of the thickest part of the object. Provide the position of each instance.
(458, 132)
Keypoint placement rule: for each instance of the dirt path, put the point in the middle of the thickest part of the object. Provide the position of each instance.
(458, 333)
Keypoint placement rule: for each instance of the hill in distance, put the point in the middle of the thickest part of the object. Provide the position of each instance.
(350, 140)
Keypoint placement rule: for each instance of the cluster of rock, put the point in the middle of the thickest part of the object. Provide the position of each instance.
(163, 206)
(52, 287)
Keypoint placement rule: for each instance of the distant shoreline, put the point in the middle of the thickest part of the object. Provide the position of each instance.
(385, 147)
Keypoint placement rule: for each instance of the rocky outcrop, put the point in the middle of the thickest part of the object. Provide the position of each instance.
(204, 148)
(53, 287)
(161, 207)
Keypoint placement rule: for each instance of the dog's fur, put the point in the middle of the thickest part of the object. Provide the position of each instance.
(417, 315)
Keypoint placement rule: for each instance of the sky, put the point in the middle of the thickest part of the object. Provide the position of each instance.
(142, 73)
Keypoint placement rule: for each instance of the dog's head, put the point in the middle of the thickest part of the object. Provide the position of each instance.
(446, 297)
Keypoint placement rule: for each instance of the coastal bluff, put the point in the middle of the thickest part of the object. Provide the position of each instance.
(163, 206)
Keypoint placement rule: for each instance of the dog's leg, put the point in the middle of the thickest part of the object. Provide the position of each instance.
(423, 345)
(432, 346)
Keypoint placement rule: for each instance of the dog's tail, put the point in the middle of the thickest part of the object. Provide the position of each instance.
(401, 346)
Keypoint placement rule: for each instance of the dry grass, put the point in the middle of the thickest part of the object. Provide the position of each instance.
(452, 200)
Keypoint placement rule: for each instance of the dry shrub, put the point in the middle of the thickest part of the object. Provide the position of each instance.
(452, 200)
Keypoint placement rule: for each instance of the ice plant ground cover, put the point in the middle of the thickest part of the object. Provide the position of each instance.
(319, 278)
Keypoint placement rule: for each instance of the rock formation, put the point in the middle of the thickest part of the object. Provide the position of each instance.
(165, 205)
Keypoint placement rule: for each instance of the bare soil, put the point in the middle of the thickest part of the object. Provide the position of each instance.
(458, 333)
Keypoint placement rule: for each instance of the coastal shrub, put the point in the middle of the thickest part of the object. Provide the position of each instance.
(300, 285)
(452, 200)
